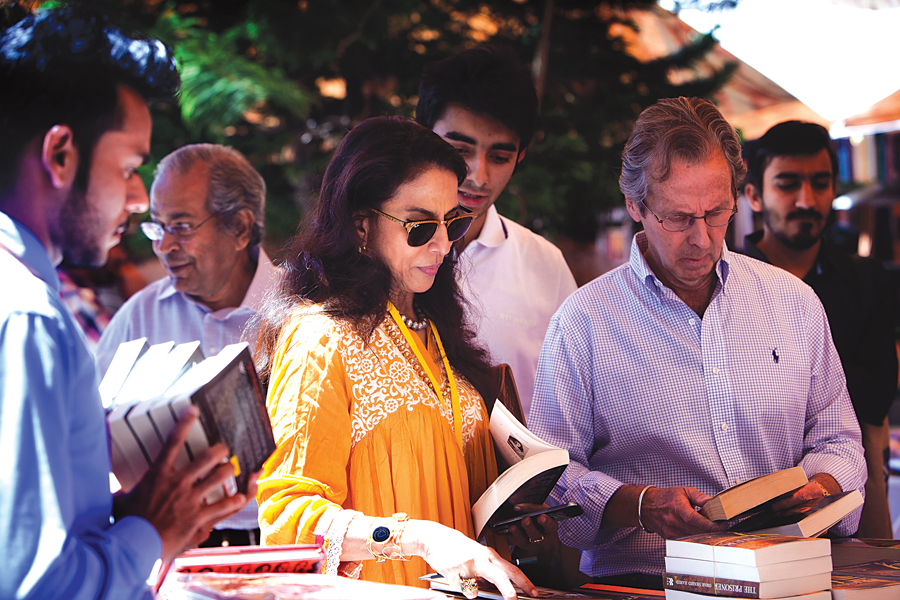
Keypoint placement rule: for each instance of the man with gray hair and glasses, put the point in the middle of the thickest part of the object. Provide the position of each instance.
(690, 369)
(207, 214)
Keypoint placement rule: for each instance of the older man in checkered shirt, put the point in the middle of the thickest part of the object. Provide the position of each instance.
(690, 369)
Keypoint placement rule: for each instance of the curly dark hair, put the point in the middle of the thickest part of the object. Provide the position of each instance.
(63, 66)
(324, 264)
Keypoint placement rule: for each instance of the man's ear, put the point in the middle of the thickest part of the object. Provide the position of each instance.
(244, 222)
(754, 197)
(521, 155)
(59, 156)
(633, 210)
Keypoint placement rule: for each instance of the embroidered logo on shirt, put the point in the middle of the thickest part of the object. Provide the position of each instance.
(775, 356)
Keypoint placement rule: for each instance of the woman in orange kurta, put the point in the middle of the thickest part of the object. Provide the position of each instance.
(373, 376)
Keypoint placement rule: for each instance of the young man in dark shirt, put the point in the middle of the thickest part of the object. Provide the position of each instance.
(791, 173)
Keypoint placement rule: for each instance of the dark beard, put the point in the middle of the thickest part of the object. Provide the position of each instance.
(78, 234)
(803, 239)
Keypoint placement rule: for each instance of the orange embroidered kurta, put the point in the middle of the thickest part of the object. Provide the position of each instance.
(359, 425)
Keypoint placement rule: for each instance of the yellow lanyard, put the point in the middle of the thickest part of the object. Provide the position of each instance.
(454, 393)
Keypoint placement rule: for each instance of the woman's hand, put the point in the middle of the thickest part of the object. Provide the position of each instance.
(458, 557)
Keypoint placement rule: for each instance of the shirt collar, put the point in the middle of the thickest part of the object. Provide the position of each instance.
(263, 279)
(642, 269)
(493, 233)
(825, 258)
(26, 247)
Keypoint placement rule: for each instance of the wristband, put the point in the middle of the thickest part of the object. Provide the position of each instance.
(388, 538)
(640, 500)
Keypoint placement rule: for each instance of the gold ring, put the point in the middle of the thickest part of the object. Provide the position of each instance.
(469, 586)
(537, 541)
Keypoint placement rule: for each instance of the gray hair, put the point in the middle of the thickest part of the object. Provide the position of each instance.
(687, 129)
(233, 183)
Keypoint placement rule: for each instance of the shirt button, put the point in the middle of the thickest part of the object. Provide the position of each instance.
(692, 321)
(715, 370)
(724, 426)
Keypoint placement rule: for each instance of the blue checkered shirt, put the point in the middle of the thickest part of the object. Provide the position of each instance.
(641, 391)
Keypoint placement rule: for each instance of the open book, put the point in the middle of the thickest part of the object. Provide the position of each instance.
(162, 383)
(530, 467)
(749, 495)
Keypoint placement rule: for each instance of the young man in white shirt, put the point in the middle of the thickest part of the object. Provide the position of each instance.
(483, 102)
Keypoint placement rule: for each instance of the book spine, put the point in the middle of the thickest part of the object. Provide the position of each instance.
(286, 566)
(711, 586)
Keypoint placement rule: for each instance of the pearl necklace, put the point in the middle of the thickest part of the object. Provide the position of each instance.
(422, 323)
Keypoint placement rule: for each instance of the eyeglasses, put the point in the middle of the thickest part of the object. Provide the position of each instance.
(155, 231)
(676, 223)
(419, 233)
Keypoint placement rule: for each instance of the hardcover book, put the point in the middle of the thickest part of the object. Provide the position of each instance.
(737, 500)
(534, 468)
(810, 519)
(747, 549)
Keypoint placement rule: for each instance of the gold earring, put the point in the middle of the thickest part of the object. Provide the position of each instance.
(361, 249)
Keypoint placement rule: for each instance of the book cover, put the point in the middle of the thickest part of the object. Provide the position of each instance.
(736, 588)
(878, 569)
(746, 549)
(749, 495)
(232, 407)
(759, 573)
(534, 468)
(852, 551)
(225, 388)
(850, 587)
(251, 559)
(810, 519)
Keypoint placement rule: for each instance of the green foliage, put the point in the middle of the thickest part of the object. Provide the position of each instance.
(257, 74)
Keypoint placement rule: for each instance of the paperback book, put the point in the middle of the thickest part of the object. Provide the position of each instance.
(737, 588)
(534, 467)
(681, 595)
(853, 551)
(852, 587)
(879, 569)
(810, 519)
(737, 500)
(227, 392)
(759, 573)
(747, 549)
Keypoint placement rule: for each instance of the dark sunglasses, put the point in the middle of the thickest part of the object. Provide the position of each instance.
(419, 233)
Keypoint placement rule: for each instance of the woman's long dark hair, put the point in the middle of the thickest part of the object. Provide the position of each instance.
(324, 264)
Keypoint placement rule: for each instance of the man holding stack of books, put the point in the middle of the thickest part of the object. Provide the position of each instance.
(689, 370)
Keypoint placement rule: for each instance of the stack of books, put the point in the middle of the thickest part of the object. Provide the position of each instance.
(736, 565)
(147, 388)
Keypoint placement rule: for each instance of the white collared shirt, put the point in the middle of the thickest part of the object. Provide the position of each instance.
(161, 313)
(515, 280)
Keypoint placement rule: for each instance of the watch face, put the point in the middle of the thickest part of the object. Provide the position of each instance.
(381, 534)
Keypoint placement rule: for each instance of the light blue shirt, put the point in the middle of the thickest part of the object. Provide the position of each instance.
(642, 391)
(161, 313)
(56, 538)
